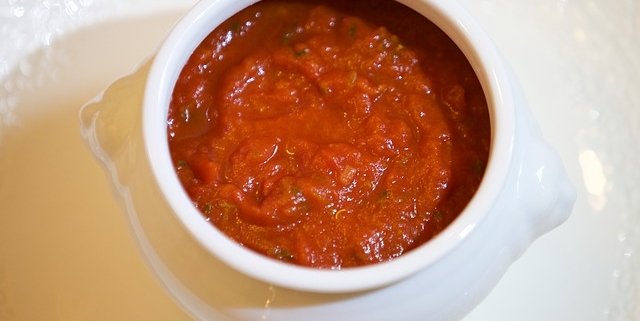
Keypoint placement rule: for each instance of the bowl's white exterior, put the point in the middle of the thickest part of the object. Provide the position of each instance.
(524, 185)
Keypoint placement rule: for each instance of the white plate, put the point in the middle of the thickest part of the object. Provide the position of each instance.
(65, 247)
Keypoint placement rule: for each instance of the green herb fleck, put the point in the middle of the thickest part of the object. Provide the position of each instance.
(286, 37)
(182, 164)
(235, 26)
(353, 31)
(282, 254)
(295, 190)
(477, 167)
(226, 207)
(397, 51)
(289, 33)
(301, 53)
(438, 215)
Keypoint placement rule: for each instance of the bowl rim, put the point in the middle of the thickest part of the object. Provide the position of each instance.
(449, 16)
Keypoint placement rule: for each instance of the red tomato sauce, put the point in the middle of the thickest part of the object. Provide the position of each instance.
(329, 134)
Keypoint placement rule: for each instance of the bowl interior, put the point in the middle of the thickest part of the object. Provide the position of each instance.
(172, 56)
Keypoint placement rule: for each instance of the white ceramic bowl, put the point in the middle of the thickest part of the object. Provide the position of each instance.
(522, 176)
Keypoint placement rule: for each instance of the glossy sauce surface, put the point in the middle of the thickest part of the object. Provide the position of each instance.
(329, 134)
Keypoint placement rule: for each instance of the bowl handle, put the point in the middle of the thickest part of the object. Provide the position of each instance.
(544, 193)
